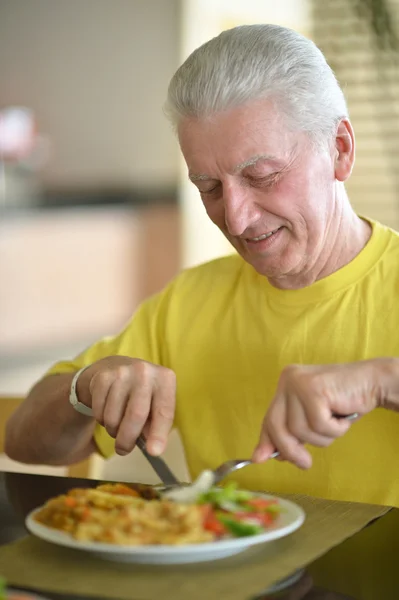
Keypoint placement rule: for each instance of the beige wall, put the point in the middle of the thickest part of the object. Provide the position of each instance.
(95, 72)
(68, 277)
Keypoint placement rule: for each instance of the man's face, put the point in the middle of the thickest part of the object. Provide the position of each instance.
(267, 189)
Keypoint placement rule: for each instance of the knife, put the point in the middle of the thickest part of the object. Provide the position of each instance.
(158, 464)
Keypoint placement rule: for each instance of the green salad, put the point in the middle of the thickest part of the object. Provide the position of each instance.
(230, 511)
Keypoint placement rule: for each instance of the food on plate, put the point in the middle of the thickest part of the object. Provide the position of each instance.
(141, 490)
(118, 514)
(231, 512)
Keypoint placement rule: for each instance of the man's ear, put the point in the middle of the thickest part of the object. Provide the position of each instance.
(344, 150)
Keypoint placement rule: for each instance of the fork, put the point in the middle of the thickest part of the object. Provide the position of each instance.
(209, 478)
(230, 466)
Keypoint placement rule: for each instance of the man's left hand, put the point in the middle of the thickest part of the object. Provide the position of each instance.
(307, 397)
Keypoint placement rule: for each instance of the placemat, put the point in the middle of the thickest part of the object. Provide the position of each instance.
(35, 563)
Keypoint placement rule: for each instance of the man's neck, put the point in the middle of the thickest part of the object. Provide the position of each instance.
(349, 240)
(345, 240)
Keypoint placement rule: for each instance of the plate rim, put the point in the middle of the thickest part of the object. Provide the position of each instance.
(65, 539)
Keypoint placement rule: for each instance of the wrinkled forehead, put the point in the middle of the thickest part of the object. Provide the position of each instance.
(254, 116)
(236, 138)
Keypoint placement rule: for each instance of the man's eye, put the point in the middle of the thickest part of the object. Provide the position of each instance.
(264, 181)
(209, 191)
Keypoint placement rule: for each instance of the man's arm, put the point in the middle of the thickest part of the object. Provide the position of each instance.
(46, 429)
(125, 394)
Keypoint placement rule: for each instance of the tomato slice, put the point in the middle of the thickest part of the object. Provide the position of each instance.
(263, 518)
(267, 519)
(211, 522)
(261, 503)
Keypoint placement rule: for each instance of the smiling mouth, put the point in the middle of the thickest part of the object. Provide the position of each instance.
(264, 236)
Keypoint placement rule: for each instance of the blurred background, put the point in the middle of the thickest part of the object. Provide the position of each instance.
(96, 212)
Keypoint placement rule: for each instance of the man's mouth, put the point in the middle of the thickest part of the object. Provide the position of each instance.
(264, 236)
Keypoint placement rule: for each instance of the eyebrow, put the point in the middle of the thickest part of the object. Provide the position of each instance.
(199, 177)
(247, 163)
(252, 161)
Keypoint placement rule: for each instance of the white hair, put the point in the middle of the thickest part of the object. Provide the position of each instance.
(252, 62)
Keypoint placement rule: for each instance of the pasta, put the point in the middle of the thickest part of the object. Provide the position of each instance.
(113, 514)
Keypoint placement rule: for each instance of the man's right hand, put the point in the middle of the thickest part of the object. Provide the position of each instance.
(129, 396)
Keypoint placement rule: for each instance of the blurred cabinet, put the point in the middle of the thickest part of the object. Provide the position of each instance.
(71, 275)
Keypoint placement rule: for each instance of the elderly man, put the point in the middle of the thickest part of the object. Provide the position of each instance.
(263, 349)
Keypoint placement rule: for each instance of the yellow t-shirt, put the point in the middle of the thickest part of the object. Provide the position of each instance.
(227, 334)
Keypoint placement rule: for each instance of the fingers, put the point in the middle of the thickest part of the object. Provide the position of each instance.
(138, 407)
(299, 426)
(290, 447)
(286, 444)
(133, 397)
(114, 407)
(275, 435)
(99, 386)
(135, 416)
(302, 412)
(266, 446)
(288, 427)
(321, 421)
(264, 449)
(162, 412)
(146, 428)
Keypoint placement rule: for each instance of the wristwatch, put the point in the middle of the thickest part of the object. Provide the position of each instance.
(73, 398)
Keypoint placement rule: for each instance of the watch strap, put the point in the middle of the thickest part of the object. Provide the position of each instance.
(73, 397)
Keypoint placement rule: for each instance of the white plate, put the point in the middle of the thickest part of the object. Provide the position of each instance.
(288, 521)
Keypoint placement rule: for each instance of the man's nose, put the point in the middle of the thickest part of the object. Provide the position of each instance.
(239, 210)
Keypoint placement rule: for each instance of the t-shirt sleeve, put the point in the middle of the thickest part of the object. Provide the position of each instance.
(140, 338)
